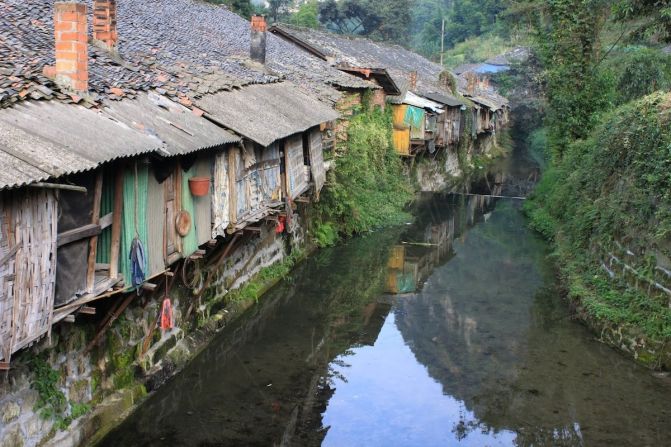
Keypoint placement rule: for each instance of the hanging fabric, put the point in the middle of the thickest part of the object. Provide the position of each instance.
(138, 262)
(281, 225)
(167, 322)
(137, 256)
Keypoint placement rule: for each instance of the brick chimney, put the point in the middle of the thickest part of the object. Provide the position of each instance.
(104, 23)
(413, 81)
(258, 39)
(72, 62)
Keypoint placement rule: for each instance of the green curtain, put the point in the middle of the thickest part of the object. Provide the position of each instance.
(128, 230)
(106, 207)
(190, 241)
(414, 118)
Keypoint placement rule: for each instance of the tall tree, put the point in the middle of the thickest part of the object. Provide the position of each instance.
(389, 20)
(307, 15)
(350, 16)
(656, 16)
(568, 32)
(277, 8)
(243, 8)
(395, 20)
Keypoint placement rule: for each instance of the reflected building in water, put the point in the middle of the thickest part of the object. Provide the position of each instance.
(467, 294)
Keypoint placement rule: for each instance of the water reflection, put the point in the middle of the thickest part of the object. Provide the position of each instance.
(450, 333)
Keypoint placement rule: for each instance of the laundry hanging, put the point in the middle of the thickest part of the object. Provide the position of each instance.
(167, 322)
(138, 262)
(134, 234)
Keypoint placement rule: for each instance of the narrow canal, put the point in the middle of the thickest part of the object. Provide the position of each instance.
(450, 331)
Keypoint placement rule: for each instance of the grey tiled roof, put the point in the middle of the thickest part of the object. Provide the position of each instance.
(183, 48)
(361, 52)
(398, 61)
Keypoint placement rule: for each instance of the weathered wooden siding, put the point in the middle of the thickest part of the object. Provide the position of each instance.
(252, 178)
(156, 222)
(134, 214)
(401, 139)
(449, 126)
(269, 173)
(398, 116)
(297, 179)
(172, 241)
(237, 169)
(317, 160)
(190, 241)
(220, 195)
(28, 238)
(203, 205)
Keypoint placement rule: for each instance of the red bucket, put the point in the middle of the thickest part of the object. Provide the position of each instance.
(199, 186)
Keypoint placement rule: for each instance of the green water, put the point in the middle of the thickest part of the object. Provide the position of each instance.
(478, 349)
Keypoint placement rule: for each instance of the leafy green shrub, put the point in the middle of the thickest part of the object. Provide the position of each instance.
(51, 401)
(368, 189)
(476, 49)
(613, 186)
(538, 147)
(325, 235)
(640, 71)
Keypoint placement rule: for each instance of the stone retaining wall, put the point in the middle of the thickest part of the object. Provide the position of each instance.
(113, 377)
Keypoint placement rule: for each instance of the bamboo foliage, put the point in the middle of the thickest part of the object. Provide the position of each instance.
(28, 238)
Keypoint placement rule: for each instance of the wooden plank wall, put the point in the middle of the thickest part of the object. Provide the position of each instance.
(220, 195)
(241, 195)
(269, 173)
(27, 267)
(401, 139)
(203, 205)
(252, 178)
(297, 179)
(317, 160)
(156, 222)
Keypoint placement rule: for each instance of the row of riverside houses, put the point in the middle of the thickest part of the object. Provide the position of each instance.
(430, 104)
(111, 111)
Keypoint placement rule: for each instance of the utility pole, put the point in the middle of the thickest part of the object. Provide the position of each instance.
(442, 42)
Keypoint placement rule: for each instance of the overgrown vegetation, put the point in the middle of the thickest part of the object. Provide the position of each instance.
(477, 49)
(253, 289)
(368, 189)
(52, 404)
(608, 148)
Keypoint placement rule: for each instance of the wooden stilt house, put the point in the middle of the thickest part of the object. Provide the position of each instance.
(281, 157)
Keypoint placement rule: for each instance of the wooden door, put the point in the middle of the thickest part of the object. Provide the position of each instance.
(171, 237)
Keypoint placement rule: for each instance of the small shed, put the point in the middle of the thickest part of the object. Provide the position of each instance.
(449, 123)
(282, 157)
(28, 234)
(156, 192)
(39, 224)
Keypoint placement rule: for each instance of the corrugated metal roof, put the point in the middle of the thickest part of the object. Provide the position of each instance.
(444, 99)
(39, 140)
(492, 102)
(422, 103)
(267, 113)
(179, 128)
